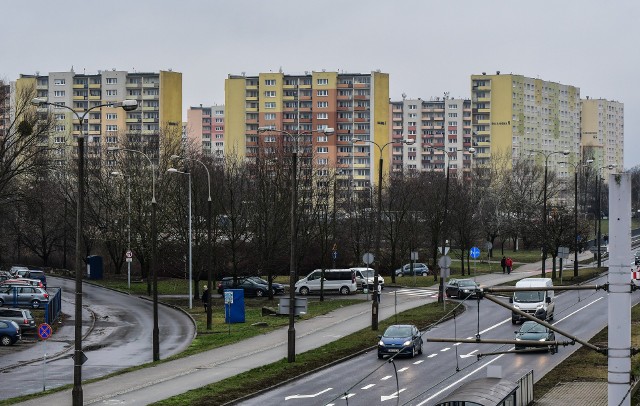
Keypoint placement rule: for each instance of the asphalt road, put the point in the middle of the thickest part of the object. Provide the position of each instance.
(118, 331)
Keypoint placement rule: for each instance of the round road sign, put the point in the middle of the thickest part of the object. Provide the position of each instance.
(44, 331)
(367, 258)
(474, 252)
(129, 254)
(444, 261)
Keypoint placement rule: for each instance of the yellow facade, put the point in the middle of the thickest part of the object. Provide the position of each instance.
(380, 119)
(170, 97)
(235, 112)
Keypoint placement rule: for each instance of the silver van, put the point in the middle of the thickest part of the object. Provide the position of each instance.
(341, 281)
(364, 278)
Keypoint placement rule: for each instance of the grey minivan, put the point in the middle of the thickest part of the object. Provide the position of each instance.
(30, 296)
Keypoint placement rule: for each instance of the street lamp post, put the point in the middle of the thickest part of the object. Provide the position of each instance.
(599, 192)
(116, 173)
(78, 355)
(174, 170)
(544, 203)
(576, 166)
(374, 303)
(291, 333)
(211, 255)
(154, 233)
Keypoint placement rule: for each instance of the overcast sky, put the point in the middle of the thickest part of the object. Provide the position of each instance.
(427, 47)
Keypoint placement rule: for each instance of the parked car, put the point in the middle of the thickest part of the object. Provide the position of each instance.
(9, 332)
(463, 289)
(25, 295)
(4, 275)
(341, 281)
(404, 339)
(364, 278)
(278, 288)
(22, 281)
(34, 274)
(637, 258)
(250, 287)
(418, 269)
(533, 331)
(14, 269)
(22, 317)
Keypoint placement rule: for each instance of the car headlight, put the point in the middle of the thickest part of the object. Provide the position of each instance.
(381, 343)
(542, 339)
(540, 307)
(466, 290)
(518, 338)
(406, 343)
(515, 306)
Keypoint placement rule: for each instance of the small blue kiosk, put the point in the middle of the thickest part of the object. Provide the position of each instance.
(234, 306)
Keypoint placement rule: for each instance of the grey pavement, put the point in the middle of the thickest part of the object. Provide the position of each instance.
(171, 378)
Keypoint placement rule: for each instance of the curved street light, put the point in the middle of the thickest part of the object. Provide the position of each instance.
(127, 105)
(544, 202)
(174, 170)
(117, 173)
(374, 303)
(212, 252)
(599, 192)
(156, 330)
(291, 333)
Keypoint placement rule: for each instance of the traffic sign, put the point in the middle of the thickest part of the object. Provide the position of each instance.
(444, 261)
(83, 358)
(44, 331)
(334, 255)
(228, 297)
(489, 245)
(367, 258)
(474, 252)
(129, 254)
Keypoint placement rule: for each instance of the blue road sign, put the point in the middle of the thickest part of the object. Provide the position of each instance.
(44, 331)
(334, 255)
(474, 252)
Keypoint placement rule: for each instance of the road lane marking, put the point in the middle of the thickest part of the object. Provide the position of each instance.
(371, 385)
(347, 396)
(445, 349)
(582, 308)
(469, 354)
(403, 369)
(392, 396)
(384, 378)
(432, 355)
(418, 362)
(307, 396)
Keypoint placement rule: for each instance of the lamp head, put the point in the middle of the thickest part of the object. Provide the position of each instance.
(588, 161)
(409, 141)
(472, 150)
(172, 170)
(113, 149)
(38, 101)
(127, 105)
(329, 130)
(354, 140)
(566, 152)
(176, 157)
(611, 166)
(115, 173)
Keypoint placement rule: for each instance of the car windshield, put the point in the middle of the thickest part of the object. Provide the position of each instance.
(367, 274)
(532, 327)
(466, 283)
(398, 331)
(528, 296)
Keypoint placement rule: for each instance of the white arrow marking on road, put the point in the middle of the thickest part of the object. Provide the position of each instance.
(392, 396)
(371, 385)
(469, 354)
(307, 396)
(445, 349)
(403, 369)
(385, 378)
(432, 355)
(418, 362)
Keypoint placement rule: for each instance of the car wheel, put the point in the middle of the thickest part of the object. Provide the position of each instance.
(259, 293)
(5, 341)
(420, 349)
(448, 295)
(380, 356)
(35, 304)
(413, 351)
(304, 291)
(344, 290)
(514, 321)
(425, 273)
(1, 302)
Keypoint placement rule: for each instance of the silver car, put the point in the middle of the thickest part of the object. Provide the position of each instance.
(21, 296)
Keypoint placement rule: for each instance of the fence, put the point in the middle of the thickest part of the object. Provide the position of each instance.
(53, 309)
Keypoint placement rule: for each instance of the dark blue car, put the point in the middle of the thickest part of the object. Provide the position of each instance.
(404, 339)
(9, 332)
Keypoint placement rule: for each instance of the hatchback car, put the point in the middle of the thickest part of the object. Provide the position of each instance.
(23, 281)
(250, 287)
(404, 339)
(533, 331)
(418, 269)
(278, 288)
(23, 296)
(9, 332)
(463, 289)
(22, 317)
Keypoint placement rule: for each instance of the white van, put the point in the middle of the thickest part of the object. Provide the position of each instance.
(538, 303)
(364, 278)
(341, 281)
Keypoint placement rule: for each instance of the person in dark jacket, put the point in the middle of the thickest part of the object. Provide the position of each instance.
(205, 297)
(503, 264)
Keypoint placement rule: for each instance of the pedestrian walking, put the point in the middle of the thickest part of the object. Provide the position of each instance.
(509, 264)
(379, 293)
(503, 264)
(205, 297)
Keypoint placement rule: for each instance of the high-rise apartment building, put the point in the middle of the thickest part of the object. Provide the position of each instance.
(436, 125)
(159, 96)
(602, 125)
(356, 105)
(513, 115)
(205, 130)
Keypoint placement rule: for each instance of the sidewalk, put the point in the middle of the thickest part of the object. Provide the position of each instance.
(174, 377)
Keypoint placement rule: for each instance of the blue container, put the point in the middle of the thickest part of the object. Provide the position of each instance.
(233, 305)
(94, 267)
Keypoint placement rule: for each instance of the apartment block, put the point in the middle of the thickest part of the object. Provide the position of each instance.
(159, 96)
(513, 115)
(602, 133)
(205, 130)
(356, 105)
(441, 129)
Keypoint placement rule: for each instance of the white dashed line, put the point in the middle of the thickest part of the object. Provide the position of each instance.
(445, 349)
(385, 378)
(418, 362)
(403, 369)
(371, 385)
(432, 355)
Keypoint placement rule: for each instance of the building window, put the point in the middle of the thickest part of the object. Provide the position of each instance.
(323, 81)
(322, 116)
(270, 93)
(219, 120)
(270, 138)
(323, 150)
(323, 93)
(323, 138)
(270, 82)
(269, 116)
(323, 104)
(270, 105)
(58, 81)
(413, 107)
(112, 128)
(58, 93)
(112, 92)
(219, 112)
(112, 140)
(60, 128)
(112, 116)
(323, 161)
(59, 140)
(112, 81)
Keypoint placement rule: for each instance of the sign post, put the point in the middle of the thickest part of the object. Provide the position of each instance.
(414, 258)
(444, 263)
(367, 258)
(228, 301)
(44, 332)
(129, 256)
(474, 253)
